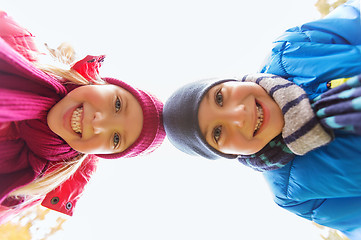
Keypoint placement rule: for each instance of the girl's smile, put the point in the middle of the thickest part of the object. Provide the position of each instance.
(72, 119)
(97, 119)
(239, 117)
(76, 120)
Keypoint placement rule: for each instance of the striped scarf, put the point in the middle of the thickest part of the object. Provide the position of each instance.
(302, 131)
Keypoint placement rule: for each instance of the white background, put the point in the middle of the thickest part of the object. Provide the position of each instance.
(160, 45)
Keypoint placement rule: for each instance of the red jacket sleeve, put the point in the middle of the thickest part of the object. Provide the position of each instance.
(64, 198)
(17, 37)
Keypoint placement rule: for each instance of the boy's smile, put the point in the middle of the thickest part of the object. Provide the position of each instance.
(239, 117)
(259, 112)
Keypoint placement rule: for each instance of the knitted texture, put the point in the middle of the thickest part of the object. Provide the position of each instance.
(28, 148)
(302, 131)
(181, 119)
(26, 94)
(152, 134)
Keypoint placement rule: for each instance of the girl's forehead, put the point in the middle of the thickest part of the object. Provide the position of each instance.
(109, 87)
(124, 88)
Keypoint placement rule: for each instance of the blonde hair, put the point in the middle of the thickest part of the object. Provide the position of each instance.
(58, 174)
(65, 55)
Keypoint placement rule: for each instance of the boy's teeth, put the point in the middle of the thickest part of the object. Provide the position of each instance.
(75, 119)
(259, 119)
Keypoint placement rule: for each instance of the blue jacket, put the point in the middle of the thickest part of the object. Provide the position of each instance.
(324, 185)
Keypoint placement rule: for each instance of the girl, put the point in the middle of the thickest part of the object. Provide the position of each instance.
(308, 150)
(55, 123)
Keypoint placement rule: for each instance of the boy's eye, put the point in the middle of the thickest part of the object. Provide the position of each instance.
(118, 105)
(116, 140)
(219, 98)
(216, 134)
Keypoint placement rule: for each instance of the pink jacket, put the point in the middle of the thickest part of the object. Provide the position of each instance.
(63, 198)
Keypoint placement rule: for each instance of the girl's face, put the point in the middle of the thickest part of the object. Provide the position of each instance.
(239, 118)
(97, 119)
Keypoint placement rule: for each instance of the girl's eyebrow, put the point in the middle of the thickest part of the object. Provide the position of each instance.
(125, 132)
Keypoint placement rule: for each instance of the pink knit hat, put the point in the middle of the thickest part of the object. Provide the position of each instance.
(152, 134)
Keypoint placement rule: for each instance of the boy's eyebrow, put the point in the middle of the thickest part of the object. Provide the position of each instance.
(207, 99)
(206, 96)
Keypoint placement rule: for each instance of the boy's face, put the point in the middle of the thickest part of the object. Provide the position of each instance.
(97, 119)
(239, 117)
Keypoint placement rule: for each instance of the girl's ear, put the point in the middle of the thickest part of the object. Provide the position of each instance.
(89, 66)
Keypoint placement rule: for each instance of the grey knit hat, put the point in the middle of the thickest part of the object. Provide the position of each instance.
(180, 118)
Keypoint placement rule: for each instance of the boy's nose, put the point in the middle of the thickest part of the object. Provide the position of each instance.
(237, 115)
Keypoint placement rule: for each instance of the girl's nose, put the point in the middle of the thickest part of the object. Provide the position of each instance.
(98, 123)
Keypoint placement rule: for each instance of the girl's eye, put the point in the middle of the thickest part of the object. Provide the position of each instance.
(217, 132)
(219, 98)
(118, 105)
(116, 140)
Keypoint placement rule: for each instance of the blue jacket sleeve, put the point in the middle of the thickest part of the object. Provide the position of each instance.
(327, 172)
(343, 214)
(343, 22)
(323, 185)
(319, 51)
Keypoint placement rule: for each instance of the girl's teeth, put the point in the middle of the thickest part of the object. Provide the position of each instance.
(76, 119)
(259, 119)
